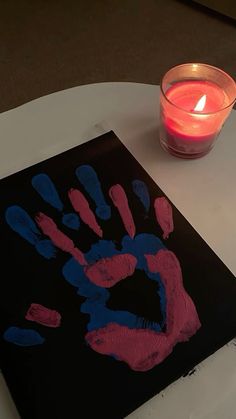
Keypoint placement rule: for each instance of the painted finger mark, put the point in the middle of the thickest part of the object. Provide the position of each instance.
(140, 189)
(71, 220)
(45, 187)
(43, 315)
(164, 215)
(119, 199)
(108, 271)
(81, 205)
(20, 222)
(90, 181)
(59, 239)
(23, 337)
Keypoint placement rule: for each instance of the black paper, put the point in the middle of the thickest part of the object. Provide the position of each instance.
(63, 377)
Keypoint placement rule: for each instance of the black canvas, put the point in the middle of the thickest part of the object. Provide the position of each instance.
(63, 377)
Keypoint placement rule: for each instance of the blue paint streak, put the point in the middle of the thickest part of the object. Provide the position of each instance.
(46, 249)
(143, 244)
(45, 187)
(89, 179)
(23, 337)
(71, 220)
(147, 244)
(101, 249)
(140, 189)
(95, 304)
(20, 222)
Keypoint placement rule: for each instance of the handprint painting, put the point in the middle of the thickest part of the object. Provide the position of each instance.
(121, 334)
(109, 294)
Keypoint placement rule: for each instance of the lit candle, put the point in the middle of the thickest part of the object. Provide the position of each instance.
(195, 102)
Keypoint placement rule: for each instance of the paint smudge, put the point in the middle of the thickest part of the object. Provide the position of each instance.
(89, 179)
(140, 189)
(59, 239)
(23, 337)
(43, 315)
(119, 199)
(20, 222)
(108, 271)
(164, 216)
(71, 220)
(81, 205)
(45, 187)
(151, 348)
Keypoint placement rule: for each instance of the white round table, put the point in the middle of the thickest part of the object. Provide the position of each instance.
(203, 190)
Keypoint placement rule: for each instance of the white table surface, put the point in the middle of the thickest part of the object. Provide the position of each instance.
(203, 190)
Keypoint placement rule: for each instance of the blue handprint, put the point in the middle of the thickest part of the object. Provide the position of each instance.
(115, 332)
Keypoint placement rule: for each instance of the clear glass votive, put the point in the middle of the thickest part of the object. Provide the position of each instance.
(195, 101)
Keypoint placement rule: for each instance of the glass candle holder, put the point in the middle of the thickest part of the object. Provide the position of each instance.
(195, 101)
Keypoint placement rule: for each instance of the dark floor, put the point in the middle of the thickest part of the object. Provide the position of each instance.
(49, 45)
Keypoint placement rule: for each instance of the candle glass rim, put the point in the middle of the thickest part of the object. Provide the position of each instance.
(199, 112)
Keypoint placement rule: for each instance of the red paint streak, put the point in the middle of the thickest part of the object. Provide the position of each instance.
(43, 315)
(108, 271)
(142, 349)
(164, 216)
(81, 205)
(119, 199)
(180, 310)
(59, 239)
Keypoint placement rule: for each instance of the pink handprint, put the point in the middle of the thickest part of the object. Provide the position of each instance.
(126, 336)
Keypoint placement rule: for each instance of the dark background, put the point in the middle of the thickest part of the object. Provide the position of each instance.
(64, 378)
(49, 45)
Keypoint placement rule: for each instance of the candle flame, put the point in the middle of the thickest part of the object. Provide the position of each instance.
(200, 104)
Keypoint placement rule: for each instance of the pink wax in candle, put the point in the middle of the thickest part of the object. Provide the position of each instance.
(188, 129)
(186, 94)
